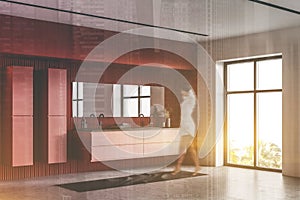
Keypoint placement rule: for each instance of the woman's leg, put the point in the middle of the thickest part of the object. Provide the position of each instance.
(179, 163)
(193, 153)
(182, 150)
(194, 156)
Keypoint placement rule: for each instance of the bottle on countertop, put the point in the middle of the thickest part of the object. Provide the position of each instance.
(83, 123)
(168, 124)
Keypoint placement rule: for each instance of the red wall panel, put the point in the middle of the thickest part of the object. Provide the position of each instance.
(22, 91)
(22, 141)
(17, 134)
(57, 139)
(57, 92)
(57, 115)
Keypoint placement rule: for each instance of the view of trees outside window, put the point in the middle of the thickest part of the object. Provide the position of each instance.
(254, 113)
(240, 128)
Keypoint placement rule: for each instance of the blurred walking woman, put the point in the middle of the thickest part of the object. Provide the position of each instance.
(187, 130)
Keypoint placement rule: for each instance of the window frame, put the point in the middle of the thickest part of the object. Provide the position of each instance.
(139, 97)
(77, 99)
(255, 91)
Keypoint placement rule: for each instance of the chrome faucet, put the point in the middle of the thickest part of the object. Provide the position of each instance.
(100, 120)
(141, 121)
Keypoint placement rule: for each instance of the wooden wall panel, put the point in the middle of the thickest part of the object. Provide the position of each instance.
(41, 38)
(78, 158)
(1, 86)
(6, 149)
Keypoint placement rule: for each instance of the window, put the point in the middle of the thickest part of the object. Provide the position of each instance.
(112, 100)
(135, 100)
(254, 113)
(77, 99)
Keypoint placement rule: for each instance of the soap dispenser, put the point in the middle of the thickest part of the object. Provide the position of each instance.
(83, 123)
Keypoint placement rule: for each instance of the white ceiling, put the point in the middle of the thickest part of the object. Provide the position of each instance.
(290, 4)
(217, 18)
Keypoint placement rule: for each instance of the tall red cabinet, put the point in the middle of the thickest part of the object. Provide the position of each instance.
(17, 115)
(51, 137)
(57, 115)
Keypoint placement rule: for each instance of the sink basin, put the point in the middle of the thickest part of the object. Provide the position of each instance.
(127, 129)
(118, 129)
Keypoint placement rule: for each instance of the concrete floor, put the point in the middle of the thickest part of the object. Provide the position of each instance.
(219, 183)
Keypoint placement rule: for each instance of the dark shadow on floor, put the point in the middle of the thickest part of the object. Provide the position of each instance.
(126, 181)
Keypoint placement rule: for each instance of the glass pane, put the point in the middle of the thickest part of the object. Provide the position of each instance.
(145, 106)
(145, 90)
(80, 109)
(240, 129)
(130, 108)
(80, 90)
(74, 109)
(240, 76)
(74, 90)
(269, 130)
(116, 100)
(269, 74)
(130, 90)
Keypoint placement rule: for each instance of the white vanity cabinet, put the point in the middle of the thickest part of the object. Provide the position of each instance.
(164, 143)
(116, 145)
(131, 144)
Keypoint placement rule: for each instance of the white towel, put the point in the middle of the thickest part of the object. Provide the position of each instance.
(187, 124)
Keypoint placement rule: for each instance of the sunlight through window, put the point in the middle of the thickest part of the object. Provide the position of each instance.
(254, 113)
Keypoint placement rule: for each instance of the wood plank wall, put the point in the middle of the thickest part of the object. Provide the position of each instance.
(41, 168)
(75, 164)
